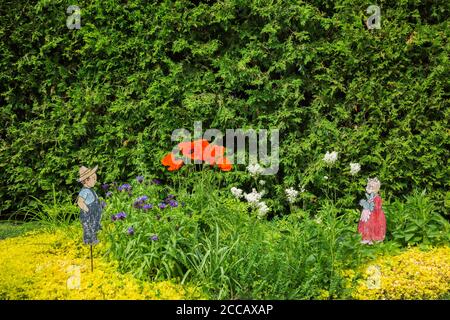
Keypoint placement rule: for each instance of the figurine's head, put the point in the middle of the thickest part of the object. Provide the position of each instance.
(88, 177)
(373, 185)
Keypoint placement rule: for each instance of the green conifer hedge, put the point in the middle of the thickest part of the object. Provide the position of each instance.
(111, 92)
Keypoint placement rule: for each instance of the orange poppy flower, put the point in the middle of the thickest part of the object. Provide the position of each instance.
(170, 161)
(212, 153)
(194, 149)
(224, 164)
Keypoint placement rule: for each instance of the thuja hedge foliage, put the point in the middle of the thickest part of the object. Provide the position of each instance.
(112, 92)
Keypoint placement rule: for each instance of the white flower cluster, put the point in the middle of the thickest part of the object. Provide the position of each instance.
(354, 168)
(254, 197)
(262, 209)
(255, 169)
(236, 192)
(330, 157)
(291, 194)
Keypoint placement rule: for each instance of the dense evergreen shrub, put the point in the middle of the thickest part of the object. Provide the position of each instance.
(112, 92)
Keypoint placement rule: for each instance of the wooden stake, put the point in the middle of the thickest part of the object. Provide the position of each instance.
(92, 261)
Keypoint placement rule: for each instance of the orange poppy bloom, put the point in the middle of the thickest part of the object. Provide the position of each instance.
(212, 153)
(193, 149)
(198, 150)
(170, 161)
(224, 164)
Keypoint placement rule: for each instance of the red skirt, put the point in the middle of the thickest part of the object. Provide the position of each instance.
(373, 229)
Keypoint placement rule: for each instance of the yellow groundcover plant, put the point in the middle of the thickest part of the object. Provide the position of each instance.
(52, 265)
(414, 274)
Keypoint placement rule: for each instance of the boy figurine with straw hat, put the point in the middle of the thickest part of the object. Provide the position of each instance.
(91, 209)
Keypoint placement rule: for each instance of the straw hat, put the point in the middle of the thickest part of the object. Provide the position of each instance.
(86, 172)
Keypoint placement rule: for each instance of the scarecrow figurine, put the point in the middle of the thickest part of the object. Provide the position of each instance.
(372, 224)
(91, 209)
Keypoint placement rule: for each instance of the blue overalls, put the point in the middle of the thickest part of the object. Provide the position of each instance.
(90, 220)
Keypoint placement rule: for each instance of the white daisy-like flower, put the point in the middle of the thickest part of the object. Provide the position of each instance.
(291, 194)
(253, 197)
(325, 177)
(263, 209)
(302, 189)
(330, 157)
(236, 192)
(255, 169)
(262, 182)
(354, 168)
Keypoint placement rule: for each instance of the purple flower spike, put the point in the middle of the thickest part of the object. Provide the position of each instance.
(109, 194)
(113, 217)
(140, 179)
(103, 204)
(147, 207)
(130, 231)
(162, 205)
(173, 203)
(121, 215)
(154, 237)
(142, 199)
(156, 181)
(124, 187)
(137, 205)
(105, 186)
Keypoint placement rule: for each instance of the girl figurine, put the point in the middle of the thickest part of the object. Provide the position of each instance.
(372, 224)
(90, 207)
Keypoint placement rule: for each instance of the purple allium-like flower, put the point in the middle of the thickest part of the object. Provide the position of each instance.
(169, 198)
(173, 203)
(147, 206)
(130, 231)
(103, 204)
(142, 199)
(162, 205)
(109, 194)
(154, 237)
(156, 181)
(124, 187)
(137, 205)
(105, 186)
(121, 215)
(140, 179)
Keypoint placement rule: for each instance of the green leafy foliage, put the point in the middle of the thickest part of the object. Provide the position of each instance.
(416, 221)
(112, 92)
(211, 239)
